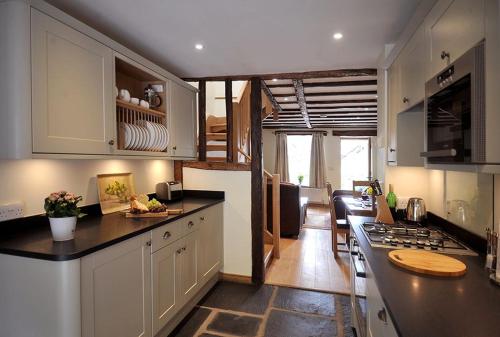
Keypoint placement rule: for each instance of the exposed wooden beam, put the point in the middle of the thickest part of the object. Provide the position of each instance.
(269, 94)
(354, 133)
(342, 101)
(326, 84)
(301, 100)
(257, 177)
(178, 176)
(229, 120)
(291, 76)
(336, 93)
(202, 121)
(339, 112)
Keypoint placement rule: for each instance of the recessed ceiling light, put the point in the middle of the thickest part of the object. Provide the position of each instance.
(338, 36)
(323, 116)
(286, 98)
(275, 79)
(366, 108)
(199, 46)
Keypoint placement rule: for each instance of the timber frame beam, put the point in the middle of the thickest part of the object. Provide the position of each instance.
(301, 100)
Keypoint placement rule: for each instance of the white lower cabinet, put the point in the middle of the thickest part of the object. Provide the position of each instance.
(129, 290)
(116, 290)
(379, 323)
(211, 243)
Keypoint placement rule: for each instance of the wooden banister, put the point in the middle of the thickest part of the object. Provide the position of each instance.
(267, 174)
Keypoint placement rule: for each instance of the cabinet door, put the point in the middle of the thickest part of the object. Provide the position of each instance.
(71, 90)
(116, 290)
(412, 63)
(187, 275)
(454, 28)
(165, 265)
(182, 126)
(394, 94)
(210, 235)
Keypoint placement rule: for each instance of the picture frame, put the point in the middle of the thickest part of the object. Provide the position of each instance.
(114, 191)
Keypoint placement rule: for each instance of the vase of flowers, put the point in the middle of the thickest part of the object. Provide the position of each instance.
(300, 178)
(62, 210)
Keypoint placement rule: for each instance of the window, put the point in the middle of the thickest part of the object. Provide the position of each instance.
(355, 161)
(299, 156)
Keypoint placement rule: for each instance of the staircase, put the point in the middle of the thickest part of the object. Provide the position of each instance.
(216, 138)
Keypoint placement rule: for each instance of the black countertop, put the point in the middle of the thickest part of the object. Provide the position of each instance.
(426, 306)
(94, 232)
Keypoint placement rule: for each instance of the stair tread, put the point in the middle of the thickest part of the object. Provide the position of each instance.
(221, 147)
(216, 136)
(219, 159)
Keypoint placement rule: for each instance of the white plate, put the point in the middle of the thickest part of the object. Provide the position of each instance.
(166, 138)
(144, 138)
(137, 137)
(128, 135)
(152, 135)
(159, 137)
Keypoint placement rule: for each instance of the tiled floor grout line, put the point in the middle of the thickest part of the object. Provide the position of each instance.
(305, 313)
(234, 312)
(203, 327)
(262, 328)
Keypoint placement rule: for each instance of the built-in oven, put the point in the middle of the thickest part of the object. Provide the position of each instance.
(455, 111)
(359, 316)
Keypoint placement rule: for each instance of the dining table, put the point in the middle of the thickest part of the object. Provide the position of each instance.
(358, 206)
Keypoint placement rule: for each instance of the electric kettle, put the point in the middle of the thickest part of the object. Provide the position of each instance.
(415, 210)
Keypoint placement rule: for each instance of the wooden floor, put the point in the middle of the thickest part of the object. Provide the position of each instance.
(308, 263)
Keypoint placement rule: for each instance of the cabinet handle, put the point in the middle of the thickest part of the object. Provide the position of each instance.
(148, 243)
(166, 235)
(190, 224)
(184, 248)
(382, 315)
(111, 142)
(405, 100)
(179, 251)
(444, 55)
(202, 218)
(392, 150)
(174, 147)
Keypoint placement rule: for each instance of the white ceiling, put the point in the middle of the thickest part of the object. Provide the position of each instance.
(248, 36)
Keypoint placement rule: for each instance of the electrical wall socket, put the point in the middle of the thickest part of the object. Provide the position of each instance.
(11, 211)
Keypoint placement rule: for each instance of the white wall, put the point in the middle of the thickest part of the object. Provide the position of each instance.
(237, 213)
(32, 180)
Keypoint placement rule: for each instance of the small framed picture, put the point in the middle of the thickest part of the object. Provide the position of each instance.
(114, 191)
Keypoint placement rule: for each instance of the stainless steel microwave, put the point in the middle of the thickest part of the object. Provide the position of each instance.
(455, 111)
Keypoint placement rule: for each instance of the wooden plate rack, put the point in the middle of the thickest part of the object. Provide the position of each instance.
(131, 113)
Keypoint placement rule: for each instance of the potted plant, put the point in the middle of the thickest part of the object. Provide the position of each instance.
(62, 210)
(300, 178)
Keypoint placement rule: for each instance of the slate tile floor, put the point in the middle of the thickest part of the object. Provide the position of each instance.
(233, 309)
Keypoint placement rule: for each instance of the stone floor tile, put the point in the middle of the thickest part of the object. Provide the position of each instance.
(191, 323)
(290, 324)
(311, 302)
(239, 297)
(247, 326)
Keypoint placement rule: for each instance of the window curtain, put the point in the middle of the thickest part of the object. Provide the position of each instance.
(317, 165)
(281, 158)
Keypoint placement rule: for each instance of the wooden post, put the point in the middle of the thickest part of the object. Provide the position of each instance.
(276, 216)
(178, 170)
(256, 153)
(202, 121)
(229, 121)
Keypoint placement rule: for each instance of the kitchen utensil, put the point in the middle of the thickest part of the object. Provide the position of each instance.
(415, 210)
(152, 97)
(427, 263)
(170, 190)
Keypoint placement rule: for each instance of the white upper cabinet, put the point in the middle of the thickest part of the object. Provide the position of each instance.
(182, 122)
(413, 63)
(72, 100)
(453, 28)
(394, 106)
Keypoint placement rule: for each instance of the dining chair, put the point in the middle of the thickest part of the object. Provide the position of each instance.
(359, 183)
(339, 226)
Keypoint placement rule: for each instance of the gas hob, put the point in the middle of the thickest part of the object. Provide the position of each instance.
(413, 236)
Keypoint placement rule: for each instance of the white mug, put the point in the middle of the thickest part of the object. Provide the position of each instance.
(144, 104)
(124, 95)
(134, 100)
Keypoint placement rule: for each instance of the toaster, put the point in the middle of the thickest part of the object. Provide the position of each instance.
(170, 190)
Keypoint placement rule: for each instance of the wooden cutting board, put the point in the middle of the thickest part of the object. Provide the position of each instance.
(429, 263)
(154, 215)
